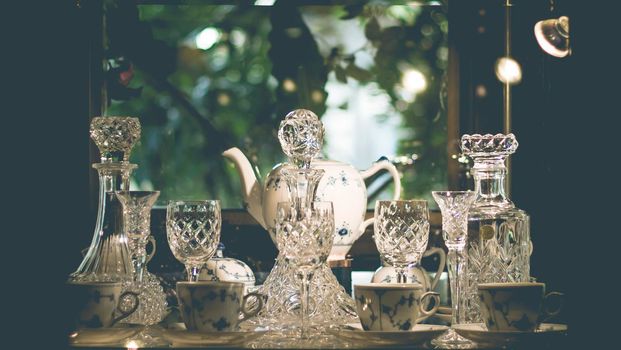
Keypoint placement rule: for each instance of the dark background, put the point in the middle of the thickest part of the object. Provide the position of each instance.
(565, 172)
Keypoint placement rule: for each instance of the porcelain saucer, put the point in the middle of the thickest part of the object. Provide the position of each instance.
(478, 332)
(419, 334)
(103, 336)
(181, 336)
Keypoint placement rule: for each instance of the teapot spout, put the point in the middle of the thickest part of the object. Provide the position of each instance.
(251, 187)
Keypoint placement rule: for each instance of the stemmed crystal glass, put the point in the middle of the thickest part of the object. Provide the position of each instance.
(401, 233)
(304, 236)
(454, 206)
(152, 299)
(136, 221)
(193, 232)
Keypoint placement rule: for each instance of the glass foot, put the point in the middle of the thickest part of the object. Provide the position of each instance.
(290, 339)
(452, 340)
(149, 336)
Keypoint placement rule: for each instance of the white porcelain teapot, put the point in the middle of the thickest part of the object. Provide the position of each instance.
(341, 184)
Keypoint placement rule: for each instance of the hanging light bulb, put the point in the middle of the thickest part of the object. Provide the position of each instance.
(553, 36)
(508, 70)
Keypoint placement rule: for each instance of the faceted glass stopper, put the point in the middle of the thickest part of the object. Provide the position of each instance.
(115, 137)
(301, 136)
(477, 145)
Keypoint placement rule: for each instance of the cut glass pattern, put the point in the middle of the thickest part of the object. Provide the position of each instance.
(301, 136)
(108, 258)
(115, 137)
(193, 230)
(401, 231)
(136, 220)
(499, 245)
(152, 307)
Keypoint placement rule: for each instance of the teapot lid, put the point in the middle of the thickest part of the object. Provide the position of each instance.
(219, 268)
(220, 250)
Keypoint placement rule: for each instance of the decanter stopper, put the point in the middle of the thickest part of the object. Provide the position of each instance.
(301, 137)
(115, 137)
(489, 145)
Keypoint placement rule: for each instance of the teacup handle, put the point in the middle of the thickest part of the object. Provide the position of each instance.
(421, 306)
(126, 313)
(250, 313)
(547, 313)
(154, 245)
(440, 252)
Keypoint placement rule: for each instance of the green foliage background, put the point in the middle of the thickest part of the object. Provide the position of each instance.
(194, 103)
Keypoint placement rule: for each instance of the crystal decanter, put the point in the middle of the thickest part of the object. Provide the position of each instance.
(108, 257)
(301, 137)
(499, 245)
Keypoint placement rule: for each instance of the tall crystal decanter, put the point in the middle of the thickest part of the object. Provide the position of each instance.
(301, 137)
(499, 245)
(108, 257)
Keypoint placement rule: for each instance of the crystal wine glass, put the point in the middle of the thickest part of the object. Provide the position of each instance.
(454, 206)
(304, 236)
(193, 232)
(401, 233)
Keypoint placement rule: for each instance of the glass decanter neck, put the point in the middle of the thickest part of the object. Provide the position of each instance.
(302, 184)
(489, 182)
(114, 176)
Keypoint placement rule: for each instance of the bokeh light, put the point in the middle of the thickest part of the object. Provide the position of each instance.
(207, 38)
(508, 70)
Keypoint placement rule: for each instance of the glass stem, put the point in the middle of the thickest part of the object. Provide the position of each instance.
(401, 277)
(456, 266)
(139, 257)
(193, 272)
(305, 277)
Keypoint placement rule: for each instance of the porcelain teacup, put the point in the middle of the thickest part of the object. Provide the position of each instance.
(100, 304)
(209, 306)
(519, 306)
(393, 306)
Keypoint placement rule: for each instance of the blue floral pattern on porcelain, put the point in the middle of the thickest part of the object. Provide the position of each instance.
(220, 268)
(213, 306)
(392, 307)
(341, 184)
(99, 307)
(97, 303)
(343, 232)
(512, 306)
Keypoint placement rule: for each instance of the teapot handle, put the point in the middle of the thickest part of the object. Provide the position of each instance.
(363, 226)
(388, 166)
(442, 255)
(396, 178)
